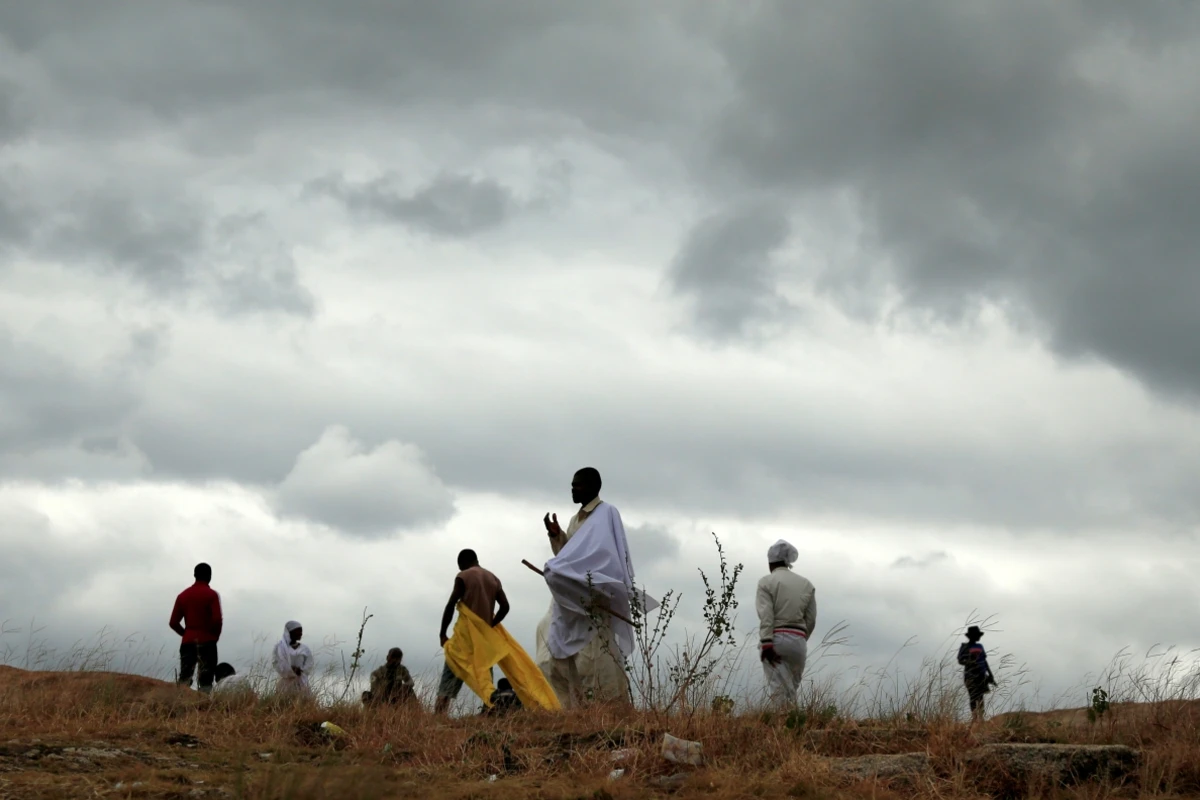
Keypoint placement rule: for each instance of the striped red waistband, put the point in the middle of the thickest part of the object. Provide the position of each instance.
(793, 631)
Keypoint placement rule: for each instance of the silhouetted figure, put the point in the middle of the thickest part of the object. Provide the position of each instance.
(480, 592)
(504, 699)
(391, 684)
(977, 675)
(584, 639)
(198, 607)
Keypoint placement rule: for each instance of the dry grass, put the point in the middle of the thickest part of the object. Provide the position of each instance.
(149, 739)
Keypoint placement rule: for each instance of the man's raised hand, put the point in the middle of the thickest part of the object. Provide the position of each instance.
(553, 530)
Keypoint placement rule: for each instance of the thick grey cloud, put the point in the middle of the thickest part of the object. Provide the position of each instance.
(724, 268)
(920, 562)
(865, 109)
(14, 119)
(449, 205)
(364, 492)
(941, 162)
(651, 544)
(14, 218)
(25, 561)
(578, 62)
(655, 439)
(152, 242)
(1034, 154)
(46, 399)
(176, 248)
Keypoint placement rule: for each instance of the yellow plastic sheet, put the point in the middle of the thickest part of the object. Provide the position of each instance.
(476, 647)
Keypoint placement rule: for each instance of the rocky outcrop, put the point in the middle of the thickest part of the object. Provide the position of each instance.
(1059, 763)
(1004, 768)
(882, 766)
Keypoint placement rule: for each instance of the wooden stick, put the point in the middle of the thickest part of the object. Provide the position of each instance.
(621, 617)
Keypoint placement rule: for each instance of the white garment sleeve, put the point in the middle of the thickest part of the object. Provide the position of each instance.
(306, 664)
(283, 662)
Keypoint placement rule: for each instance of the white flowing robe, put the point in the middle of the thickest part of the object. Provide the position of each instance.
(287, 657)
(598, 667)
(593, 566)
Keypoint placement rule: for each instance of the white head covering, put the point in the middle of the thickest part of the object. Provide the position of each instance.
(782, 551)
(286, 655)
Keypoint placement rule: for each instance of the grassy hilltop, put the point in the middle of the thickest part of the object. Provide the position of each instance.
(101, 734)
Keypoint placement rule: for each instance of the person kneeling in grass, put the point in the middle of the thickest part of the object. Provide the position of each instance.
(391, 684)
(230, 684)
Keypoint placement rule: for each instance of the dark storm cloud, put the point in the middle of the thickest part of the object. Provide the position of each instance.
(449, 205)
(154, 243)
(661, 455)
(724, 268)
(981, 159)
(178, 249)
(28, 576)
(14, 221)
(60, 419)
(13, 118)
(1038, 154)
(47, 400)
(921, 562)
(581, 61)
(652, 543)
(1032, 153)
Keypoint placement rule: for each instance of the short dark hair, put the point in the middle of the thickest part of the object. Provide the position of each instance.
(467, 558)
(395, 651)
(202, 572)
(591, 475)
(503, 685)
(224, 670)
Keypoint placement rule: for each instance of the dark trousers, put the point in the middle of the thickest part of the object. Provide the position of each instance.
(204, 656)
(977, 687)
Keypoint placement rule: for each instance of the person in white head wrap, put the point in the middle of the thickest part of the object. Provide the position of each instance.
(293, 661)
(787, 613)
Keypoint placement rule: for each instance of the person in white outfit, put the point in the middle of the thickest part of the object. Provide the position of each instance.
(590, 576)
(787, 613)
(599, 670)
(293, 661)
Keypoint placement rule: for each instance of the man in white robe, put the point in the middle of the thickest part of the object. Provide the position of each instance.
(581, 648)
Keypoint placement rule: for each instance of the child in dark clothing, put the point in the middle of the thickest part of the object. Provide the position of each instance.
(977, 675)
(504, 699)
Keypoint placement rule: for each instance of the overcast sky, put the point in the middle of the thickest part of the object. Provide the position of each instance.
(321, 293)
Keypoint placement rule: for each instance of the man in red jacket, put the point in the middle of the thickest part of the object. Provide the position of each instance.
(199, 608)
